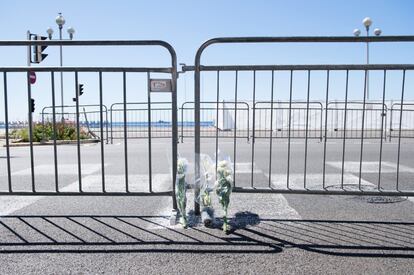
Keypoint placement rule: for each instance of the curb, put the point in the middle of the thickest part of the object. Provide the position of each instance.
(58, 142)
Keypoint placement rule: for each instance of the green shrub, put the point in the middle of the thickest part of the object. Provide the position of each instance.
(44, 132)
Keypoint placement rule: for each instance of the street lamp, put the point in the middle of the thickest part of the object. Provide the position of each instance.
(60, 21)
(367, 22)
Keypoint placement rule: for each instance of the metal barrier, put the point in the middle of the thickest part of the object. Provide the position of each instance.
(89, 117)
(304, 121)
(301, 184)
(402, 120)
(218, 119)
(350, 124)
(139, 125)
(80, 188)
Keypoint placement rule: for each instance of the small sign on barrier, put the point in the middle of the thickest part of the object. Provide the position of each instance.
(160, 85)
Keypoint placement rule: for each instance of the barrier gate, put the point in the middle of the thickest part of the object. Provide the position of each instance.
(124, 188)
(297, 179)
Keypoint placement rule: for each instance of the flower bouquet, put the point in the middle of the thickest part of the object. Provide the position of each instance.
(223, 189)
(180, 190)
(207, 184)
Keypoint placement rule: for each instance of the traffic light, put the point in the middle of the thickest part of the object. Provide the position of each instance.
(38, 55)
(80, 91)
(32, 105)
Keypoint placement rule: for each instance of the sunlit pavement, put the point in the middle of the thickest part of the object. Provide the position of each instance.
(271, 232)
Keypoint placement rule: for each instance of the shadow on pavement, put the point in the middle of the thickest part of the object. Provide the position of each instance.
(250, 234)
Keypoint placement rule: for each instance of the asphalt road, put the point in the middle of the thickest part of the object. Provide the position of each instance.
(273, 233)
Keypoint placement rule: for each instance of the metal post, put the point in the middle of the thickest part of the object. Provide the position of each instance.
(28, 49)
(175, 131)
(61, 75)
(149, 132)
(197, 137)
(6, 120)
(367, 64)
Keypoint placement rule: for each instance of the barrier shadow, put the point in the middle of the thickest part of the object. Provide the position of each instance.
(250, 234)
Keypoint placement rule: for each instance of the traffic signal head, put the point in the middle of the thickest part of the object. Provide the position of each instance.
(32, 105)
(38, 55)
(80, 89)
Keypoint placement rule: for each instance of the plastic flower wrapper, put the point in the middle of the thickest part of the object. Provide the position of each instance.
(180, 190)
(207, 185)
(223, 188)
(207, 182)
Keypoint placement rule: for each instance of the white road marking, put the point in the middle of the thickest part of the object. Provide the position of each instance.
(90, 183)
(314, 181)
(10, 204)
(246, 168)
(268, 206)
(116, 183)
(63, 169)
(370, 167)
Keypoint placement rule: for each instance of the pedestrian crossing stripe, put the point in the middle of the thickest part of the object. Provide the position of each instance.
(370, 167)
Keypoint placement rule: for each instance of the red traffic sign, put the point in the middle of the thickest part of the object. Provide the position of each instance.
(32, 77)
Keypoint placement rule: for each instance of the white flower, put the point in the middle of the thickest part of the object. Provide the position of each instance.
(182, 164)
(223, 164)
(221, 170)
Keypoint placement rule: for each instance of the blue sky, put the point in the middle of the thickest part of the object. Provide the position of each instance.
(186, 25)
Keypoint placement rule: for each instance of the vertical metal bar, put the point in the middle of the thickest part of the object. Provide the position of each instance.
(399, 131)
(125, 131)
(321, 124)
(382, 129)
(254, 127)
(392, 109)
(6, 118)
(235, 130)
(149, 132)
(111, 117)
(217, 116)
(106, 124)
(197, 140)
(43, 124)
(78, 132)
(248, 123)
(54, 132)
(271, 129)
(326, 130)
(289, 128)
(29, 100)
(174, 108)
(385, 122)
(362, 130)
(101, 126)
(344, 130)
(306, 132)
(61, 74)
(182, 122)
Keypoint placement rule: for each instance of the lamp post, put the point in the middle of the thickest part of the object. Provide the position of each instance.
(367, 22)
(60, 21)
